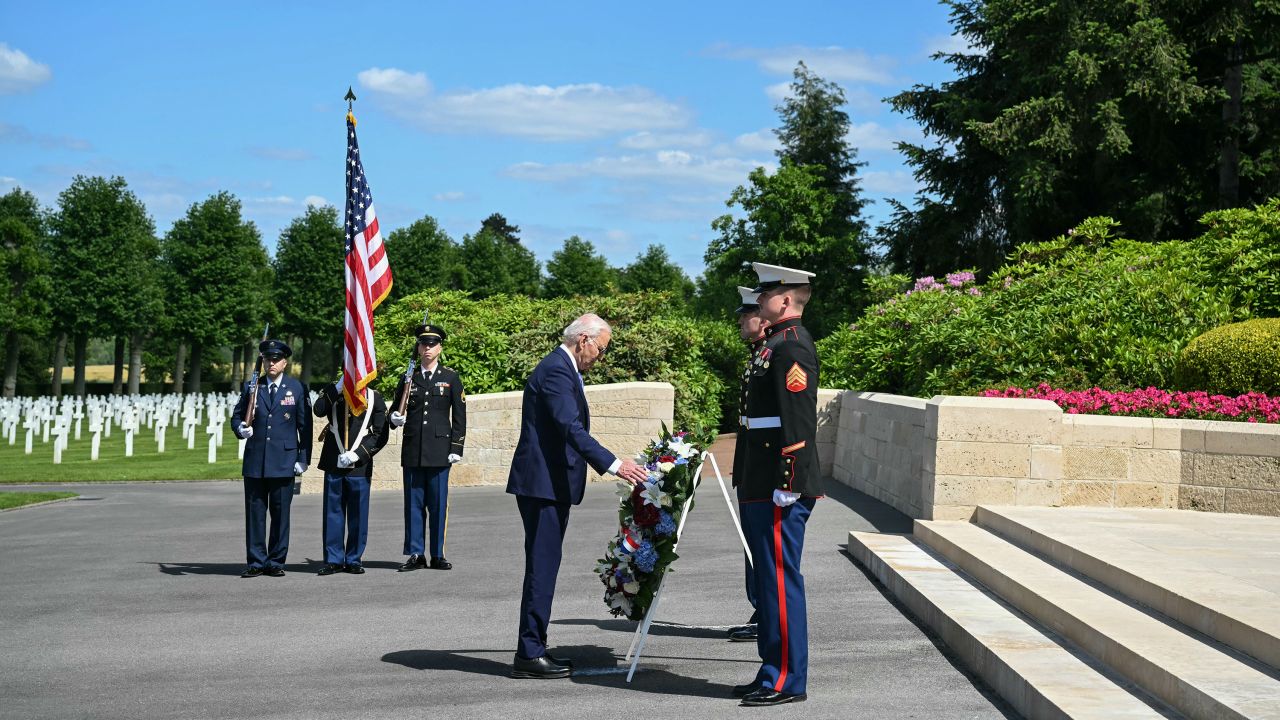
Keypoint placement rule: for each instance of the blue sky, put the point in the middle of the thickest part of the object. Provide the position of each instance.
(625, 125)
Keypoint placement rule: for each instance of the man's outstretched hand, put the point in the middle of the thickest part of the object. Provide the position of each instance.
(632, 473)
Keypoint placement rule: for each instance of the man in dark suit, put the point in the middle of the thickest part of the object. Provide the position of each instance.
(277, 447)
(549, 475)
(435, 429)
(350, 442)
(781, 482)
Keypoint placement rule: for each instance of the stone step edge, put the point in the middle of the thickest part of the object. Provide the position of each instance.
(1226, 629)
(1039, 678)
(989, 562)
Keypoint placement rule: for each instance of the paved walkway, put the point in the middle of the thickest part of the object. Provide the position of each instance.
(126, 603)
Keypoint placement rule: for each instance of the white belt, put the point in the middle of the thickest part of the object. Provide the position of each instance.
(759, 423)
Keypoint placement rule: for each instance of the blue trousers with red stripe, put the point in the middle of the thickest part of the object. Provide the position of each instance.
(776, 538)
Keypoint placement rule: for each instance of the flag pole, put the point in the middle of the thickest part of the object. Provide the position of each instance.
(346, 406)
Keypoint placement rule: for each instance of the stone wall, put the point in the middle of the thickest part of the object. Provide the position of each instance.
(939, 459)
(624, 418)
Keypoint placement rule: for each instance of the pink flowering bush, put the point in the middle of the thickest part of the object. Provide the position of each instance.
(1152, 402)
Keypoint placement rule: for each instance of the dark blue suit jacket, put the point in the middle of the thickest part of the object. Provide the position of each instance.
(281, 430)
(555, 448)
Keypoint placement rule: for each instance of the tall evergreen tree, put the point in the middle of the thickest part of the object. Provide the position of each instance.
(309, 283)
(24, 278)
(1149, 112)
(577, 269)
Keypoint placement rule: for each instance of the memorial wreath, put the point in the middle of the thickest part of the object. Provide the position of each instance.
(649, 514)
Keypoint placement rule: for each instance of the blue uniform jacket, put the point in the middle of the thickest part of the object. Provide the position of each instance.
(281, 430)
(555, 448)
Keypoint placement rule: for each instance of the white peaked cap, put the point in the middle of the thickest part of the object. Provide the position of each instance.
(750, 300)
(772, 276)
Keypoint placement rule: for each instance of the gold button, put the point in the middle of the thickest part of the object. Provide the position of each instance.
(766, 444)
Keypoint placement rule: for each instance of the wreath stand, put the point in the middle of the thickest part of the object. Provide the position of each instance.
(642, 631)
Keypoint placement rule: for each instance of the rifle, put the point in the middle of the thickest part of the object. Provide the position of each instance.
(408, 374)
(257, 372)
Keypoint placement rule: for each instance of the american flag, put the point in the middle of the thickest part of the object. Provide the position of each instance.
(368, 279)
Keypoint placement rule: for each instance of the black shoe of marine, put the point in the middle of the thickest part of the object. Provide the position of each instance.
(413, 563)
(764, 697)
(744, 690)
(746, 633)
(539, 668)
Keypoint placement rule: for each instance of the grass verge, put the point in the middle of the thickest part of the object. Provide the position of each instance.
(10, 499)
(175, 463)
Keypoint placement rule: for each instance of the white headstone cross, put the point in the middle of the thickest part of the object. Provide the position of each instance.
(61, 427)
(95, 430)
(215, 435)
(129, 423)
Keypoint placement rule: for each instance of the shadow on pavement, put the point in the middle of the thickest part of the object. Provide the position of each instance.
(881, 517)
(594, 665)
(629, 626)
(306, 566)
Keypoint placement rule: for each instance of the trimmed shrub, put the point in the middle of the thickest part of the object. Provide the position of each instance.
(495, 343)
(1084, 309)
(1234, 359)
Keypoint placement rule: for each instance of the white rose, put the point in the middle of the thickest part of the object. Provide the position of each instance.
(666, 467)
(631, 588)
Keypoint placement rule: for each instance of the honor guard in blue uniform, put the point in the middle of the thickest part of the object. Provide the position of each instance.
(432, 409)
(780, 482)
(751, 330)
(277, 448)
(350, 442)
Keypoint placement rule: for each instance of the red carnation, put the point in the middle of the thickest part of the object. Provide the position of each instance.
(667, 458)
(646, 515)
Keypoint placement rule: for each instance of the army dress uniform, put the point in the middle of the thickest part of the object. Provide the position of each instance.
(348, 471)
(435, 429)
(278, 447)
(780, 463)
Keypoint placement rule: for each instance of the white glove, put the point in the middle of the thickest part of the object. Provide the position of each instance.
(299, 468)
(244, 431)
(782, 498)
(454, 457)
(396, 419)
(347, 459)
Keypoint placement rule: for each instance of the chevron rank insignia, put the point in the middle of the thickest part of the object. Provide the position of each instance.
(797, 379)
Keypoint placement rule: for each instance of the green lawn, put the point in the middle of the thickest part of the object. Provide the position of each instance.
(18, 499)
(176, 463)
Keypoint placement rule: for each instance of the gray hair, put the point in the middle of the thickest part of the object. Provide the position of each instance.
(590, 325)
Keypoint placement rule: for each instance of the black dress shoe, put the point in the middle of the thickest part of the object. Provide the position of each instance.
(329, 569)
(746, 633)
(355, 569)
(413, 563)
(542, 668)
(742, 690)
(441, 564)
(251, 572)
(768, 696)
(274, 571)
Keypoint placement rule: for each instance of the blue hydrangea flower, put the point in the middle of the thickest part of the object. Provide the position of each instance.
(646, 557)
(682, 461)
(666, 524)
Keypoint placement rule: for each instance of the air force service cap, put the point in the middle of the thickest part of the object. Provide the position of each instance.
(274, 347)
(773, 276)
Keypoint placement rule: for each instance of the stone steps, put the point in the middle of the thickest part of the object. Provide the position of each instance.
(1197, 676)
(1237, 614)
(1026, 666)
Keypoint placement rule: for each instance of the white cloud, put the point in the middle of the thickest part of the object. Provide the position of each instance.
(314, 201)
(19, 73)
(646, 140)
(286, 154)
(450, 196)
(760, 141)
(667, 166)
(833, 63)
(20, 135)
(871, 136)
(6, 180)
(889, 182)
(540, 112)
(273, 200)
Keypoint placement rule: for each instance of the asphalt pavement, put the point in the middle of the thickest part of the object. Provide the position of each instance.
(127, 603)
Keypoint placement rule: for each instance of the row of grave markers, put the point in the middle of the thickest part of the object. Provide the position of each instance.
(64, 419)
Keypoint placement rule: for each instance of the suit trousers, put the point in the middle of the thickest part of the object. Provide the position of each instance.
(426, 496)
(263, 495)
(545, 522)
(776, 538)
(346, 501)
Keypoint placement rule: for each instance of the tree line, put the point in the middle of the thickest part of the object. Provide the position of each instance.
(1149, 113)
